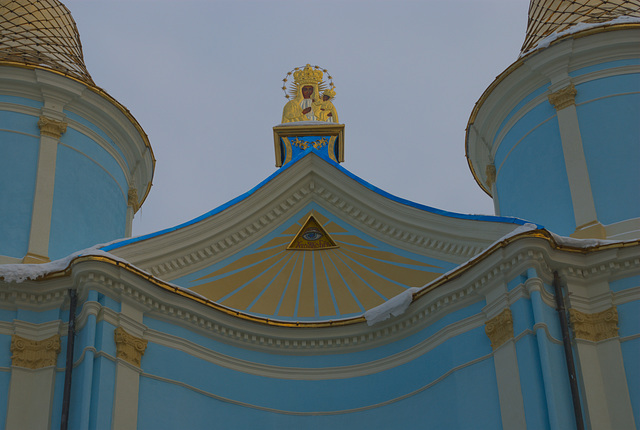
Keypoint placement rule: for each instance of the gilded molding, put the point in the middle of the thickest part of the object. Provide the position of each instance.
(563, 98)
(34, 354)
(51, 127)
(499, 329)
(595, 327)
(128, 347)
(132, 199)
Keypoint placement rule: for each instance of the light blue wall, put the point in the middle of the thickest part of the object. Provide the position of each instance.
(19, 146)
(90, 204)
(610, 129)
(531, 180)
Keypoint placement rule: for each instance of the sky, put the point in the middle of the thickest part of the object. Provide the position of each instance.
(204, 78)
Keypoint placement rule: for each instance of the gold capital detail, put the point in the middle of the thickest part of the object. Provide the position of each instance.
(51, 127)
(499, 329)
(128, 347)
(563, 98)
(594, 327)
(132, 199)
(34, 354)
(491, 174)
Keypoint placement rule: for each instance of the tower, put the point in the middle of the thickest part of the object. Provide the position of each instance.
(555, 138)
(76, 165)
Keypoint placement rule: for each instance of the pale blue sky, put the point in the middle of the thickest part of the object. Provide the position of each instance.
(203, 78)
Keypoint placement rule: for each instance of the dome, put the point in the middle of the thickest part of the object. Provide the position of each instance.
(41, 33)
(547, 17)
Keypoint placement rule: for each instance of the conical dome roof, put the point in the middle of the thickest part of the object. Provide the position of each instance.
(41, 33)
(554, 16)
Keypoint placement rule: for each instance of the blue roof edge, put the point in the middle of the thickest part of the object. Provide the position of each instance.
(312, 150)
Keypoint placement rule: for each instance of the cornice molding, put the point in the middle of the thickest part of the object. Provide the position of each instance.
(452, 291)
(191, 248)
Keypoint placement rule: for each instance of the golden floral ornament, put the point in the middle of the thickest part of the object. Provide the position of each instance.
(128, 347)
(51, 127)
(499, 329)
(594, 327)
(34, 354)
(563, 98)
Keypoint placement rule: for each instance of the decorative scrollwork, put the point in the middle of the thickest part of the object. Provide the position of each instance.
(128, 347)
(499, 329)
(34, 354)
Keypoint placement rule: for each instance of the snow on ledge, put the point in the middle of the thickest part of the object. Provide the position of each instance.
(21, 272)
(581, 26)
(397, 305)
(394, 306)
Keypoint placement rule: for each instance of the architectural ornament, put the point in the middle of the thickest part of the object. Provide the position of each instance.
(499, 329)
(34, 354)
(132, 199)
(51, 127)
(128, 347)
(563, 98)
(594, 327)
(490, 172)
(311, 97)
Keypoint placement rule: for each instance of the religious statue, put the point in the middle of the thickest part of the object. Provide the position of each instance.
(307, 104)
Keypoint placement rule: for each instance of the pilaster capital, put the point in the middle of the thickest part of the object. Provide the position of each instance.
(34, 354)
(594, 327)
(128, 347)
(564, 97)
(499, 329)
(51, 127)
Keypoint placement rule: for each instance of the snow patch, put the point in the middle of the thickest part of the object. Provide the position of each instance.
(394, 306)
(581, 243)
(581, 26)
(399, 304)
(21, 272)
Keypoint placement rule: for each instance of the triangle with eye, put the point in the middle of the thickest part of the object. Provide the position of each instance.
(312, 237)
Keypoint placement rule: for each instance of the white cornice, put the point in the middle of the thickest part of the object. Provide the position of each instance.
(469, 286)
(208, 241)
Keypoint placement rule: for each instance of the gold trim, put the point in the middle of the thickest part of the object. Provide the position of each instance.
(594, 327)
(128, 347)
(563, 98)
(34, 354)
(51, 127)
(332, 148)
(540, 234)
(499, 329)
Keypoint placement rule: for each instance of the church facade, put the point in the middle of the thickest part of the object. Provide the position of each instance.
(316, 300)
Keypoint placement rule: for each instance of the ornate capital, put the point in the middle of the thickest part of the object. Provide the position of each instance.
(490, 172)
(499, 329)
(51, 127)
(128, 347)
(594, 327)
(34, 354)
(563, 98)
(132, 199)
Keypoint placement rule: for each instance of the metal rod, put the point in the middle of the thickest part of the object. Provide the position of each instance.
(568, 351)
(71, 334)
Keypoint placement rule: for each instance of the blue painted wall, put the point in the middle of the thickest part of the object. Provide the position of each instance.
(19, 146)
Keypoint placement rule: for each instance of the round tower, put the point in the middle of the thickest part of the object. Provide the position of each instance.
(76, 165)
(555, 138)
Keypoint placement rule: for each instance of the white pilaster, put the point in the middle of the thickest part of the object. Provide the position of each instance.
(30, 398)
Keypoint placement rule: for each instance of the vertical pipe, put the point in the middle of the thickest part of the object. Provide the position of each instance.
(568, 352)
(71, 332)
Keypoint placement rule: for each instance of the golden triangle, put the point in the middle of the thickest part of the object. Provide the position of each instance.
(312, 237)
